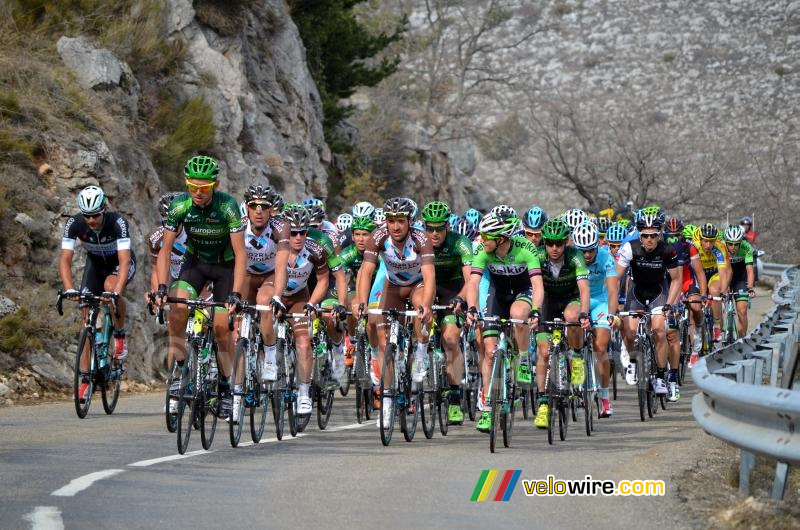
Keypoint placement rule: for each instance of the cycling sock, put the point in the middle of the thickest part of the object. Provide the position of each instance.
(119, 332)
(224, 384)
(672, 377)
(603, 393)
(419, 353)
(543, 400)
(180, 363)
(455, 394)
(270, 350)
(660, 373)
(303, 390)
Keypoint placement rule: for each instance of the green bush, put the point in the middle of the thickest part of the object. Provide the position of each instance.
(18, 332)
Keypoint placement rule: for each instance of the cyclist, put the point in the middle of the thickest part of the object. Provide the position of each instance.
(306, 256)
(533, 221)
(614, 236)
(410, 275)
(515, 291)
(654, 286)
(741, 259)
(452, 262)
(602, 229)
(695, 287)
(749, 234)
(714, 259)
(266, 240)
(215, 251)
(110, 265)
(567, 296)
(603, 291)
(473, 216)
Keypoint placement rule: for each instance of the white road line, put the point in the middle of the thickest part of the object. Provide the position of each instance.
(170, 458)
(45, 518)
(348, 427)
(81, 483)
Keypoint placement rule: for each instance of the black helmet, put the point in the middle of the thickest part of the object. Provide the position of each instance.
(164, 201)
(259, 191)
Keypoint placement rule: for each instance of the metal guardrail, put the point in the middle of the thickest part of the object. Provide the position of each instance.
(773, 269)
(746, 396)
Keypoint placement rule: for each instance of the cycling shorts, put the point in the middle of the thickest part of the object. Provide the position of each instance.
(445, 293)
(599, 312)
(740, 284)
(195, 274)
(649, 299)
(95, 274)
(499, 305)
(377, 286)
(552, 308)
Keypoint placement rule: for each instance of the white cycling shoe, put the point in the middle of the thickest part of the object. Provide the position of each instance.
(303, 405)
(630, 374)
(659, 387)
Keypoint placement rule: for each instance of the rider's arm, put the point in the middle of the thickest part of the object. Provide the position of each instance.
(240, 261)
(624, 257)
(700, 274)
(428, 271)
(124, 257)
(163, 256)
(583, 290)
(476, 272)
(321, 289)
(367, 271)
(464, 247)
(535, 276)
(612, 286)
(674, 286)
(65, 268)
(340, 276)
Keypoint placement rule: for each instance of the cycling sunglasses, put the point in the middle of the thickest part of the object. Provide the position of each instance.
(299, 232)
(199, 187)
(92, 215)
(435, 228)
(255, 205)
(533, 233)
(487, 237)
(648, 236)
(555, 242)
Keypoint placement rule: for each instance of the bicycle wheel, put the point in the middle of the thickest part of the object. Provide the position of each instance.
(344, 385)
(258, 413)
(442, 399)
(109, 390)
(613, 372)
(209, 403)
(587, 408)
(428, 398)
(187, 404)
(641, 386)
(238, 380)
(386, 417)
(324, 405)
(86, 340)
(496, 393)
(563, 417)
(277, 394)
(551, 406)
(508, 421)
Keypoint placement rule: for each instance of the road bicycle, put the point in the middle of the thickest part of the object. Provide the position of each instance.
(503, 383)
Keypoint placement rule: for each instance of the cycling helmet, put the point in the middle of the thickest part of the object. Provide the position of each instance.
(734, 233)
(708, 231)
(616, 233)
(436, 212)
(652, 211)
(201, 167)
(419, 225)
(746, 220)
(555, 229)
(296, 216)
(504, 212)
(688, 231)
(414, 208)
(473, 216)
(363, 209)
(316, 214)
(277, 202)
(363, 223)
(602, 225)
(575, 217)
(164, 202)
(454, 219)
(91, 200)
(535, 218)
(399, 206)
(466, 229)
(648, 220)
(495, 226)
(313, 201)
(673, 226)
(585, 236)
(379, 217)
(243, 209)
(344, 221)
(624, 223)
(259, 192)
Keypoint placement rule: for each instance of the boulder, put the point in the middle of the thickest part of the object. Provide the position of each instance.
(95, 68)
(7, 306)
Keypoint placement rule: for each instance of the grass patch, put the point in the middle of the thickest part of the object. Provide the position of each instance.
(18, 332)
(189, 129)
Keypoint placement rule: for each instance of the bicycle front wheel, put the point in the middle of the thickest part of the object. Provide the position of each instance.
(187, 404)
(442, 401)
(427, 390)
(258, 413)
(109, 391)
(85, 342)
(324, 406)
(386, 417)
(238, 381)
(496, 393)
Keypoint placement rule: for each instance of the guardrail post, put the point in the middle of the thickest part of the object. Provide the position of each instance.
(746, 466)
(779, 485)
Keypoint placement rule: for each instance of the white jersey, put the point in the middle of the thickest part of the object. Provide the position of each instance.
(262, 248)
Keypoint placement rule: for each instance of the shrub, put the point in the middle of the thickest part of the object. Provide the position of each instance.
(18, 332)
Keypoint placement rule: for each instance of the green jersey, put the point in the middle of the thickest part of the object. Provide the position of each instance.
(208, 228)
(449, 259)
(561, 279)
(333, 261)
(513, 271)
(742, 258)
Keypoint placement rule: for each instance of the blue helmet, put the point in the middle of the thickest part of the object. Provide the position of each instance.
(313, 201)
(535, 218)
(453, 221)
(473, 216)
(467, 229)
(616, 233)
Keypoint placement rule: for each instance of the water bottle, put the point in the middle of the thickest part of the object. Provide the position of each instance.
(204, 354)
(102, 348)
(212, 369)
(438, 355)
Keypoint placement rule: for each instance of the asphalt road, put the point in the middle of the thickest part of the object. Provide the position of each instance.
(122, 471)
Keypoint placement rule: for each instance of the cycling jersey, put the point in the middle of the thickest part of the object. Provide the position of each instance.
(331, 231)
(449, 259)
(403, 265)
(687, 253)
(713, 260)
(208, 228)
(262, 248)
(742, 258)
(101, 246)
(561, 279)
(155, 241)
(648, 268)
(333, 261)
(602, 267)
(310, 259)
(512, 272)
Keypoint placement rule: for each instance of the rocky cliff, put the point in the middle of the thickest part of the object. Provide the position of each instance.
(243, 67)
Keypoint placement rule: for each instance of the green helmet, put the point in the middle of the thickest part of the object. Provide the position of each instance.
(436, 212)
(201, 167)
(624, 222)
(555, 229)
(688, 231)
(363, 223)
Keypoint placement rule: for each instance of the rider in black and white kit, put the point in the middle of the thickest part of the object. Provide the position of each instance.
(110, 262)
(654, 286)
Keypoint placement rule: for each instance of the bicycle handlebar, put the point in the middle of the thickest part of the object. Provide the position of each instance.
(84, 297)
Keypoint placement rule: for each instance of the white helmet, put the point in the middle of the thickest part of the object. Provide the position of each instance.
(344, 221)
(734, 233)
(379, 217)
(585, 236)
(575, 217)
(503, 211)
(363, 209)
(91, 199)
(243, 209)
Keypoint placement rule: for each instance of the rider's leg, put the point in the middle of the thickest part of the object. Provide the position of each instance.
(520, 310)
(451, 340)
(741, 321)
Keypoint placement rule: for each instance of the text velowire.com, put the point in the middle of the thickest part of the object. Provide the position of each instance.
(588, 487)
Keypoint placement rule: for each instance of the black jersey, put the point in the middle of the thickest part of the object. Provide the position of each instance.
(101, 246)
(648, 268)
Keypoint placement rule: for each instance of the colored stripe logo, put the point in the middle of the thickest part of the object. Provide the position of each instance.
(494, 485)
